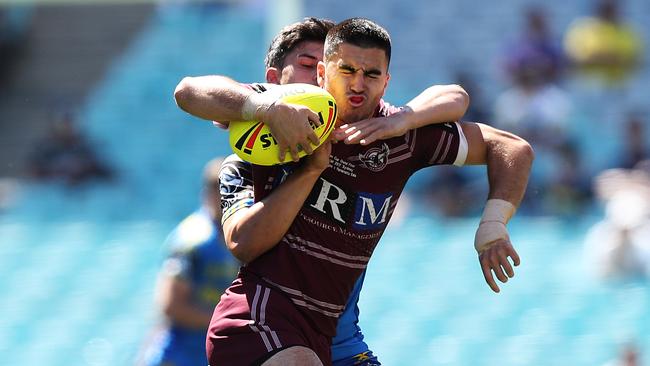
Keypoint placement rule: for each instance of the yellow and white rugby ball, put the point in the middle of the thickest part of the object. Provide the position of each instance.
(252, 140)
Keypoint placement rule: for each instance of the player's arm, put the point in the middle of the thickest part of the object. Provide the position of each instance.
(509, 159)
(437, 104)
(175, 298)
(219, 98)
(253, 231)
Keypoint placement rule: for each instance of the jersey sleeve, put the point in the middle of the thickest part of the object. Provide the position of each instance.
(436, 144)
(236, 186)
(442, 144)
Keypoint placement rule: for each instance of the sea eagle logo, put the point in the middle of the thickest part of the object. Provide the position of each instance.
(375, 158)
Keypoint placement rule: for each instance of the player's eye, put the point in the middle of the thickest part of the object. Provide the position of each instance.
(373, 74)
(307, 62)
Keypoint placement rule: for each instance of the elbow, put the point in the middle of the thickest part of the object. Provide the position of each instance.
(237, 251)
(183, 93)
(525, 151)
(461, 96)
(239, 246)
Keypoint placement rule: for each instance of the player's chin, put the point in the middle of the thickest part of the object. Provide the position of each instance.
(356, 114)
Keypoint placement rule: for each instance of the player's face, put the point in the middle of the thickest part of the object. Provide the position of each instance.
(300, 63)
(357, 78)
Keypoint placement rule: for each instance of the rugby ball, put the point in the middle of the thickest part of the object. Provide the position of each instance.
(252, 140)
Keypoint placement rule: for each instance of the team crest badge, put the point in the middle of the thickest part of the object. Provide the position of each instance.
(375, 158)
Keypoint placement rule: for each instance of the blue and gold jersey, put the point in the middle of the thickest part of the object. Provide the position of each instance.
(198, 256)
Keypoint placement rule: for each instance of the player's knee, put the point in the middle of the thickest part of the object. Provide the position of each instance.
(294, 356)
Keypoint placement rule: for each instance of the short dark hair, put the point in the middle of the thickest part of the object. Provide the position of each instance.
(310, 29)
(358, 32)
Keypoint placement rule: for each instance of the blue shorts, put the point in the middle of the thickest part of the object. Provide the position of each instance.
(362, 359)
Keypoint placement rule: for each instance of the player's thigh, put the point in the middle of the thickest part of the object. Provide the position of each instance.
(294, 356)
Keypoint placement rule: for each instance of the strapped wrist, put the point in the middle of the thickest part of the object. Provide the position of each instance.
(256, 105)
(488, 232)
(498, 210)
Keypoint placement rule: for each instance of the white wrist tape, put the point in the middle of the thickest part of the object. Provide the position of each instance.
(255, 105)
(496, 215)
(488, 232)
(498, 210)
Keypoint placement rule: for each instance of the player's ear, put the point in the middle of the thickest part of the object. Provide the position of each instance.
(272, 75)
(386, 82)
(320, 72)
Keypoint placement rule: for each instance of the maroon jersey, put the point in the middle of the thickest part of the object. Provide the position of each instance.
(335, 232)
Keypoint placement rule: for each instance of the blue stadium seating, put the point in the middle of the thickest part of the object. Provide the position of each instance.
(78, 265)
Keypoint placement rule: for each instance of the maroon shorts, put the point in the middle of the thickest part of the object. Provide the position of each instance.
(253, 321)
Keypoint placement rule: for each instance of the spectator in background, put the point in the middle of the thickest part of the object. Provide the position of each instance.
(191, 281)
(534, 107)
(567, 188)
(477, 111)
(630, 355)
(603, 46)
(15, 22)
(453, 192)
(618, 247)
(66, 155)
(536, 50)
(635, 149)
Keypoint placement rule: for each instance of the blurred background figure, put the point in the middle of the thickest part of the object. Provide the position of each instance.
(14, 24)
(192, 278)
(630, 355)
(478, 110)
(534, 107)
(619, 246)
(536, 49)
(567, 186)
(9, 193)
(635, 147)
(92, 258)
(604, 46)
(66, 155)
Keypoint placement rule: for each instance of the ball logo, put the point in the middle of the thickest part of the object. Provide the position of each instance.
(252, 141)
(293, 91)
(331, 117)
(247, 140)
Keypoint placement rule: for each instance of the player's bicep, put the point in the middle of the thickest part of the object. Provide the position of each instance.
(475, 134)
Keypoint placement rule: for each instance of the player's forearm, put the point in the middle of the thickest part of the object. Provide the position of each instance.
(509, 159)
(188, 316)
(437, 104)
(175, 297)
(259, 228)
(213, 98)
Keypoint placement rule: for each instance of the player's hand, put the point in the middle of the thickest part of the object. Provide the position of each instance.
(369, 130)
(493, 245)
(493, 258)
(291, 126)
(320, 159)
